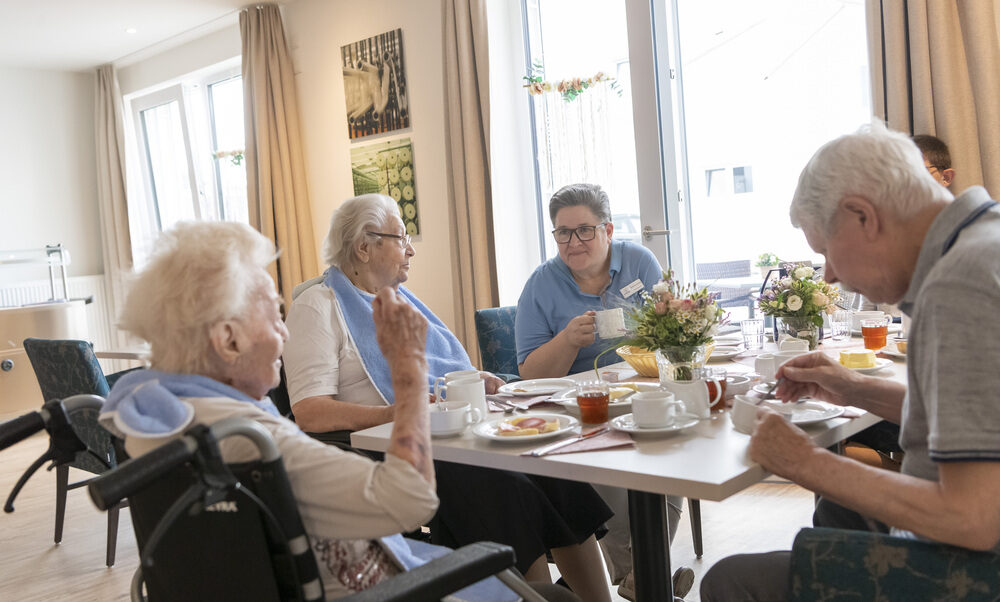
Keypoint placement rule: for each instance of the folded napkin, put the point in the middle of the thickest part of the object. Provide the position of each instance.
(609, 440)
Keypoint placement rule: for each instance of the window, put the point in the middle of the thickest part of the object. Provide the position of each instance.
(189, 145)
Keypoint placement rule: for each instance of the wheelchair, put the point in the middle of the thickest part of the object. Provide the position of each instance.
(210, 530)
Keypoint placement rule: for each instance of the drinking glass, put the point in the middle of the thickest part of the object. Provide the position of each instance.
(592, 397)
(719, 374)
(840, 324)
(875, 332)
(753, 333)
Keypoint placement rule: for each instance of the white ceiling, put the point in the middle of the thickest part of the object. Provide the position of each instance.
(78, 35)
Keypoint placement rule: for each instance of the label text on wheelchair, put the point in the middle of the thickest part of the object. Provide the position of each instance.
(223, 506)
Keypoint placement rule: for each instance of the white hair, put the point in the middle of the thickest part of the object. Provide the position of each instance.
(879, 165)
(199, 274)
(350, 220)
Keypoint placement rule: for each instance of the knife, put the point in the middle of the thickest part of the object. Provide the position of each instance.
(547, 449)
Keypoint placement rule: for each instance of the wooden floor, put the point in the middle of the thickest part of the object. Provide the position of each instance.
(764, 517)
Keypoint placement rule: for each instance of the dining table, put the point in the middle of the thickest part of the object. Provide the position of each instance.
(708, 461)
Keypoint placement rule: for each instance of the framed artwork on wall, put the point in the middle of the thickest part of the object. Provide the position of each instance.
(375, 85)
(387, 168)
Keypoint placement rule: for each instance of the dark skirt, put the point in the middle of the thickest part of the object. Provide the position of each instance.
(529, 513)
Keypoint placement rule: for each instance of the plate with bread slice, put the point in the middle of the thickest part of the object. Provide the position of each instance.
(525, 427)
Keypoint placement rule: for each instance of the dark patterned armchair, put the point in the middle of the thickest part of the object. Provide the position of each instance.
(65, 368)
(495, 331)
(834, 565)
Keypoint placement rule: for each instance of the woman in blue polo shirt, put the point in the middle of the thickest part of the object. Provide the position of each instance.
(556, 314)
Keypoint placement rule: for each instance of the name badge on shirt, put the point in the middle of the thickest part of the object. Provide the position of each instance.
(632, 288)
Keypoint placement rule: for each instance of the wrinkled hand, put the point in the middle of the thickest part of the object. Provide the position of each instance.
(580, 330)
(400, 329)
(818, 376)
(493, 382)
(778, 445)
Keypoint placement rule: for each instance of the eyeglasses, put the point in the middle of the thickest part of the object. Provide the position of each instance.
(404, 240)
(583, 233)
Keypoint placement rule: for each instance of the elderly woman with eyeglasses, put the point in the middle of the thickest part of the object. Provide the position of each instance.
(556, 315)
(337, 384)
(209, 309)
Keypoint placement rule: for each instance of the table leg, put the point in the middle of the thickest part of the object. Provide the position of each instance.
(650, 546)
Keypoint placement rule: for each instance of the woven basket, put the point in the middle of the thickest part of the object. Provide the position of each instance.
(643, 361)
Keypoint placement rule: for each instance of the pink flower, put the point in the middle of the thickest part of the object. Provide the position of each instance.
(660, 307)
(676, 304)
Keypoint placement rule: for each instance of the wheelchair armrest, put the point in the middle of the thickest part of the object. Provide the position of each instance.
(865, 566)
(441, 576)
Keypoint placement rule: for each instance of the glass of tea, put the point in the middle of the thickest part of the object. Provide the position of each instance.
(592, 397)
(875, 331)
(719, 375)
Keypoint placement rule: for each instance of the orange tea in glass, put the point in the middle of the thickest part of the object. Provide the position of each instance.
(593, 398)
(875, 332)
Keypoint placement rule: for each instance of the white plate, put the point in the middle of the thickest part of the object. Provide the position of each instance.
(567, 399)
(488, 430)
(891, 352)
(893, 328)
(725, 352)
(625, 423)
(451, 433)
(805, 412)
(537, 386)
(729, 340)
(880, 362)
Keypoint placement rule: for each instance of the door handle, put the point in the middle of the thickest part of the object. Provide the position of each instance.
(648, 233)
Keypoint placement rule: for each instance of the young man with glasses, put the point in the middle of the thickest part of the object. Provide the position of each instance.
(937, 159)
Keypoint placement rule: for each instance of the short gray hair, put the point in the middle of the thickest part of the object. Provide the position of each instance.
(349, 222)
(199, 274)
(882, 166)
(590, 196)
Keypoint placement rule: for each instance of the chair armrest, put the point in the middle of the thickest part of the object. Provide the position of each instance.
(838, 564)
(441, 576)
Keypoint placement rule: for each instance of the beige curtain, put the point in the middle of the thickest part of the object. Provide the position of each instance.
(276, 178)
(111, 200)
(466, 81)
(935, 67)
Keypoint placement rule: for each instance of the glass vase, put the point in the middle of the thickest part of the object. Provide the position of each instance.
(680, 363)
(799, 327)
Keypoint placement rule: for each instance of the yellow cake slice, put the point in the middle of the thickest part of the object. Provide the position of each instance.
(857, 358)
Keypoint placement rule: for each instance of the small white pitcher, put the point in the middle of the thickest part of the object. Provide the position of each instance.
(695, 395)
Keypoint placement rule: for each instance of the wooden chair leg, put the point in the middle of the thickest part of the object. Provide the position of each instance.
(62, 484)
(694, 508)
(112, 535)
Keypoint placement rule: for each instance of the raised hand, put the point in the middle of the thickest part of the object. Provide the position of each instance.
(818, 376)
(580, 330)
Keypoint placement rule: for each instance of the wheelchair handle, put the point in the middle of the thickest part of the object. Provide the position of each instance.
(19, 429)
(135, 474)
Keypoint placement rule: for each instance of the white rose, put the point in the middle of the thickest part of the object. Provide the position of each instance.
(794, 303)
(820, 299)
(661, 288)
(803, 272)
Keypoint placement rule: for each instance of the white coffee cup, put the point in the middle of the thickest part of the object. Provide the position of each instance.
(452, 417)
(857, 316)
(744, 413)
(610, 323)
(653, 409)
(694, 393)
(470, 389)
(783, 356)
(764, 365)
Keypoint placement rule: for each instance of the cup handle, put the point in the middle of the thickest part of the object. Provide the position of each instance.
(718, 392)
(438, 388)
(473, 416)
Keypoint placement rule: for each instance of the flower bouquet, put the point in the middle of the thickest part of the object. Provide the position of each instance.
(799, 301)
(676, 321)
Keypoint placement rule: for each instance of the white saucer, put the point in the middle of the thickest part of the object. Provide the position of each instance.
(725, 352)
(626, 424)
(880, 362)
(451, 433)
(805, 412)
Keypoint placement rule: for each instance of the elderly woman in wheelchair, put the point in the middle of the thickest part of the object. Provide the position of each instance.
(209, 309)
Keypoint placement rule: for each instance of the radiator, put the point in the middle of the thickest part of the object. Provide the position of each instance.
(100, 327)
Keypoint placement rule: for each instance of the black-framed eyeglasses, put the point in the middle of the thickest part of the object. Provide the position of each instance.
(404, 239)
(583, 233)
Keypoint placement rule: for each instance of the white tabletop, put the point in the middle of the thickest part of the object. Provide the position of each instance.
(708, 461)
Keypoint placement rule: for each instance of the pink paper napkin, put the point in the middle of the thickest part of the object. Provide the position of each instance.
(609, 440)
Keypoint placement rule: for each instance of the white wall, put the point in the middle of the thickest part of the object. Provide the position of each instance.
(173, 63)
(48, 179)
(316, 29)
